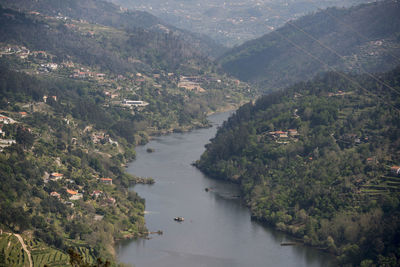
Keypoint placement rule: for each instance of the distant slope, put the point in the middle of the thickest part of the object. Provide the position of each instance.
(135, 49)
(105, 13)
(231, 22)
(366, 35)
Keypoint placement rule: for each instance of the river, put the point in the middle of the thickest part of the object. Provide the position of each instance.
(217, 230)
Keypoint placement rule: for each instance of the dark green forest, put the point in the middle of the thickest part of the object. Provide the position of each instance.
(315, 161)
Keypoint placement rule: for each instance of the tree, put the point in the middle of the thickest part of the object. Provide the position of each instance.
(24, 137)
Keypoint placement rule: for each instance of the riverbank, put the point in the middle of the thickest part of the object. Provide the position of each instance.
(217, 230)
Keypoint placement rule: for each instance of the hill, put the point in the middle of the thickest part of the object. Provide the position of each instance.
(75, 100)
(108, 14)
(320, 160)
(365, 37)
(230, 23)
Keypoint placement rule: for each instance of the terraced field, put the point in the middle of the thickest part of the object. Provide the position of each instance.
(11, 252)
(42, 255)
(385, 185)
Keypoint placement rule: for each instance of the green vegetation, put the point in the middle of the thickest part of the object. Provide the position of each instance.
(11, 251)
(366, 36)
(70, 124)
(315, 161)
(108, 14)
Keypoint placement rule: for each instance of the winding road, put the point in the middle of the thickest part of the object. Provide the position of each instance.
(25, 248)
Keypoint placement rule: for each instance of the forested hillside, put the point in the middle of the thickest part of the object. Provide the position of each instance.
(108, 14)
(358, 39)
(114, 50)
(75, 99)
(320, 160)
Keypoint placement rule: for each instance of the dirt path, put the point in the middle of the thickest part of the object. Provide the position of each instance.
(25, 248)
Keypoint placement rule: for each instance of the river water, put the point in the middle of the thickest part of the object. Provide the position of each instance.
(217, 230)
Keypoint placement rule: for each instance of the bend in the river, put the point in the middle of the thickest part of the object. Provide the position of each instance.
(217, 230)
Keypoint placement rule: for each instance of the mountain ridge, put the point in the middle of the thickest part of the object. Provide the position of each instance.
(273, 61)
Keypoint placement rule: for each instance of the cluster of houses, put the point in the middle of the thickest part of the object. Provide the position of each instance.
(6, 120)
(86, 73)
(21, 51)
(76, 195)
(48, 67)
(354, 138)
(5, 142)
(191, 83)
(102, 138)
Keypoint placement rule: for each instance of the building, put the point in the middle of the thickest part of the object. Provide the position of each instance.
(395, 170)
(6, 143)
(76, 196)
(106, 181)
(72, 192)
(6, 120)
(134, 103)
(55, 194)
(293, 132)
(55, 176)
(97, 193)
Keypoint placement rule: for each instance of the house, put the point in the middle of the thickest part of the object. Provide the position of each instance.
(395, 170)
(293, 132)
(96, 193)
(55, 176)
(23, 113)
(2, 133)
(6, 143)
(133, 103)
(106, 181)
(69, 204)
(111, 200)
(281, 134)
(6, 120)
(76, 196)
(72, 192)
(55, 194)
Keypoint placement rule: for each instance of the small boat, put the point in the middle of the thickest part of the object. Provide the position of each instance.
(179, 219)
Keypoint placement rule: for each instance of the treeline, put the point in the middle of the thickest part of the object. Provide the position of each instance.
(314, 160)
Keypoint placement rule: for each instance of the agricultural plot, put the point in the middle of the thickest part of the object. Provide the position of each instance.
(43, 255)
(11, 252)
(386, 185)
